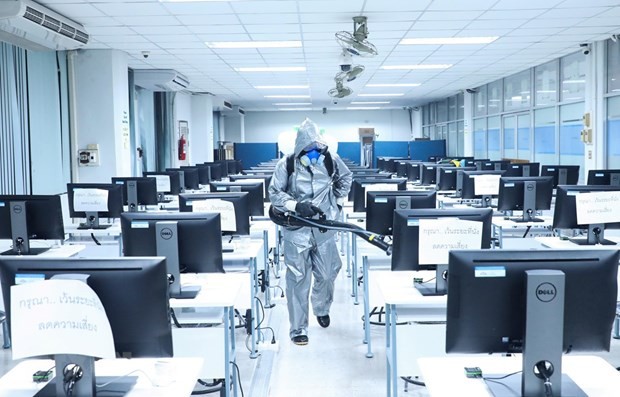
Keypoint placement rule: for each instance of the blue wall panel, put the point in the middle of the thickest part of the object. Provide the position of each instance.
(421, 150)
(253, 153)
(390, 149)
(349, 150)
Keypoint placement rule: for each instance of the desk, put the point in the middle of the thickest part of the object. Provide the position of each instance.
(558, 243)
(445, 377)
(18, 381)
(503, 227)
(109, 236)
(456, 202)
(56, 251)
(218, 291)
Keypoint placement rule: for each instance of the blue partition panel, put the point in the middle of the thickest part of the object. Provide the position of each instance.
(349, 150)
(421, 150)
(390, 149)
(251, 154)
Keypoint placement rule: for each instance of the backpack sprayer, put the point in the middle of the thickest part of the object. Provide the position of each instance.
(291, 220)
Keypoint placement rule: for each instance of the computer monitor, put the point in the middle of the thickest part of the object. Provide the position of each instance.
(474, 163)
(402, 167)
(380, 207)
(494, 165)
(483, 185)
(235, 222)
(190, 178)
(93, 201)
(413, 172)
(523, 169)
(406, 247)
(527, 194)
(255, 190)
(428, 174)
(562, 174)
(190, 242)
(565, 214)
(389, 164)
(168, 182)
(537, 302)
(358, 190)
(204, 173)
(604, 177)
(448, 178)
(137, 191)
(24, 218)
(266, 181)
(133, 292)
(217, 169)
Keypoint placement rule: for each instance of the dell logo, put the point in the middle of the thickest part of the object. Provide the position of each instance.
(530, 187)
(166, 233)
(546, 292)
(403, 205)
(17, 209)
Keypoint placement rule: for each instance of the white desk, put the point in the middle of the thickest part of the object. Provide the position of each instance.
(109, 236)
(18, 381)
(558, 243)
(56, 251)
(445, 377)
(503, 227)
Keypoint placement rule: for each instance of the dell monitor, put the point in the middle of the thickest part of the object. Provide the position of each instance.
(482, 185)
(358, 189)
(190, 179)
(474, 163)
(604, 177)
(217, 169)
(255, 190)
(204, 173)
(523, 169)
(413, 172)
(565, 214)
(266, 181)
(562, 174)
(448, 178)
(406, 247)
(428, 174)
(527, 194)
(539, 303)
(137, 191)
(94, 201)
(168, 182)
(190, 242)
(380, 207)
(24, 218)
(235, 220)
(494, 165)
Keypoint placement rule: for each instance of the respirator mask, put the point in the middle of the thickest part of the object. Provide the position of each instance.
(312, 155)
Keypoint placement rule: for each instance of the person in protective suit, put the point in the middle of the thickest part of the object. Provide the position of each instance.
(310, 189)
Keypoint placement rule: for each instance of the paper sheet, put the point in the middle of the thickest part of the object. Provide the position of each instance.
(226, 209)
(90, 200)
(59, 317)
(438, 236)
(163, 183)
(379, 187)
(598, 207)
(486, 185)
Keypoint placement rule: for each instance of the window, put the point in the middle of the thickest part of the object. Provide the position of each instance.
(613, 67)
(571, 124)
(517, 92)
(480, 138)
(452, 140)
(493, 138)
(460, 106)
(452, 108)
(480, 101)
(494, 91)
(442, 111)
(573, 68)
(546, 83)
(545, 136)
(613, 132)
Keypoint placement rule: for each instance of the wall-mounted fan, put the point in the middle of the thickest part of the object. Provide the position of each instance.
(356, 42)
(350, 74)
(340, 91)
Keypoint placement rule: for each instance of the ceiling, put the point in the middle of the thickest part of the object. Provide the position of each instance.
(530, 33)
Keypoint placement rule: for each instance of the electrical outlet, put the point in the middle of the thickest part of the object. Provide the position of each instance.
(89, 157)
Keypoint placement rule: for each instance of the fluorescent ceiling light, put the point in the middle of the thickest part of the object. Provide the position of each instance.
(364, 108)
(298, 109)
(287, 96)
(292, 104)
(448, 40)
(370, 103)
(277, 87)
(394, 85)
(416, 67)
(383, 95)
(253, 44)
(573, 82)
(273, 69)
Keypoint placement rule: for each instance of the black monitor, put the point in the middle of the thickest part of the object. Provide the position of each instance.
(217, 170)
(255, 190)
(474, 163)
(190, 178)
(540, 303)
(494, 165)
(428, 174)
(24, 218)
(527, 194)
(241, 204)
(604, 177)
(565, 214)
(380, 207)
(484, 191)
(401, 168)
(204, 173)
(358, 190)
(406, 247)
(93, 201)
(133, 292)
(523, 169)
(370, 176)
(413, 171)
(562, 174)
(448, 178)
(137, 191)
(168, 182)
(190, 242)
(266, 181)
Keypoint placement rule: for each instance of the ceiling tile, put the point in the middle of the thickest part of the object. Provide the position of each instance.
(155, 20)
(131, 9)
(199, 8)
(439, 26)
(200, 20)
(525, 4)
(351, 6)
(451, 5)
(267, 19)
(162, 30)
(263, 7)
(75, 11)
(396, 5)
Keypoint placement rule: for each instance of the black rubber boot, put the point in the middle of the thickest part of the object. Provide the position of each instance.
(323, 320)
(300, 340)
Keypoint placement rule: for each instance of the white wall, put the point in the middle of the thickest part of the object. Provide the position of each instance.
(182, 111)
(391, 125)
(201, 132)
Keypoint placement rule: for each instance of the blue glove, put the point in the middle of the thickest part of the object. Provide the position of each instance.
(306, 209)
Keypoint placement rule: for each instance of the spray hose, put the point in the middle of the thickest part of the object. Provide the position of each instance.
(291, 220)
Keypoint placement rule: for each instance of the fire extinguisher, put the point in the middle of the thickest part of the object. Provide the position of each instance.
(182, 148)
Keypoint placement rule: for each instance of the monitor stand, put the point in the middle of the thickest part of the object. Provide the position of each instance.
(614, 179)
(92, 222)
(596, 235)
(562, 176)
(167, 242)
(132, 196)
(529, 203)
(439, 288)
(19, 231)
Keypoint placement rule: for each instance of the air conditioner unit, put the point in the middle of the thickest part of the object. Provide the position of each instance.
(30, 25)
(221, 105)
(160, 79)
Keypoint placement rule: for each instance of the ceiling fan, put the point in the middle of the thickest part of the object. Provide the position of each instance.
(356, 43)
(350, 74)
(340, 91)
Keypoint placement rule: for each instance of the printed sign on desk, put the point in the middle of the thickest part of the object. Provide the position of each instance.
(379, 187)
(59, 317)
(90, 200)
(438, 236)
(597, 207)
(226, 209)
(486, 185)
(163, 183)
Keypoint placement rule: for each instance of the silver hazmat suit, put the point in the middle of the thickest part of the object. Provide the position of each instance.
(307, 251)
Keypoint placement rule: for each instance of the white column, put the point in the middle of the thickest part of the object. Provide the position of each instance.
(596, 81)
(201, 144)
(416, 123)
(468, 130)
